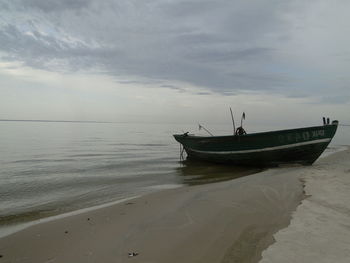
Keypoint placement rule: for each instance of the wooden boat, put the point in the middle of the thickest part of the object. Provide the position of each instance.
(302, 145)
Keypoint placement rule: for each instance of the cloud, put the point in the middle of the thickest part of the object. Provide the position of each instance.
(225, 46)
(337, 99)
(55, 6)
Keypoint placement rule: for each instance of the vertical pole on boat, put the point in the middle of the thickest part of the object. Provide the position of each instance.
(233, 122)
(243, 118)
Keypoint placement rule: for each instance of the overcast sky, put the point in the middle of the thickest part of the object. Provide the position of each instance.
(175, 60)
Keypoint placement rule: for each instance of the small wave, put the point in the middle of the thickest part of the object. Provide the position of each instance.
(165, 186)
(93, 155)
(41, 160)
(333, 149)
(17, 226)
(25, 216)
(31, 161)
(139, 144)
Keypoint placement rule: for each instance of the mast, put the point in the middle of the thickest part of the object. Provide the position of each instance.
(233, 122)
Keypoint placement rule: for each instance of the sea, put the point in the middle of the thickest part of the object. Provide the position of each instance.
(50, 168)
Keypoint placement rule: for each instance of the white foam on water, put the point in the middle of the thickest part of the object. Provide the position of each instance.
(8, 230)
(332, 150)
(165, 186)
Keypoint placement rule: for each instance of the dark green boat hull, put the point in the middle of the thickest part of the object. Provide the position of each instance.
(303, 145)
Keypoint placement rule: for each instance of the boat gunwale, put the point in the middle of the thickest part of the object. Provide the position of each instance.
(253, 134)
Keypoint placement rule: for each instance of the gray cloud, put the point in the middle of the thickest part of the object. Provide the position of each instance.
(189, 8)
(336, 99)
(54, 6)
(221, 55)
(224, 45)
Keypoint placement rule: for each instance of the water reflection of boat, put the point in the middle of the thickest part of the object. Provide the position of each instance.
(195, 172)
(302, 145)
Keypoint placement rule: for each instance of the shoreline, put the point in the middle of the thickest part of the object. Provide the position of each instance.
(196, 173)
(12, 229)
(319, 229)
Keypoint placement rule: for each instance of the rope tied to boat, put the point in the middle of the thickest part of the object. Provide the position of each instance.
(182, 150)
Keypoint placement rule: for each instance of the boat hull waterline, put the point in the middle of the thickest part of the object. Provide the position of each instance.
(302, 145)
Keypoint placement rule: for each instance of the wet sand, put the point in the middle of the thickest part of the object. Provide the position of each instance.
(320, 228)
(231, 221)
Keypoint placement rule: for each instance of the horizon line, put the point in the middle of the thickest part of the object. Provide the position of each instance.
(38, 120)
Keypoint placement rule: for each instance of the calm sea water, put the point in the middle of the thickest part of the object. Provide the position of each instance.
(50, 168)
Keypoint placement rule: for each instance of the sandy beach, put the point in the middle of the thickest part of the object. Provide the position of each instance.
(231, 221)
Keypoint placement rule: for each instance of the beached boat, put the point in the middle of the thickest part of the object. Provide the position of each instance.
(302, 145)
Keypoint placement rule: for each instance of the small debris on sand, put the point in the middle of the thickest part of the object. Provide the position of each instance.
(133, 254)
